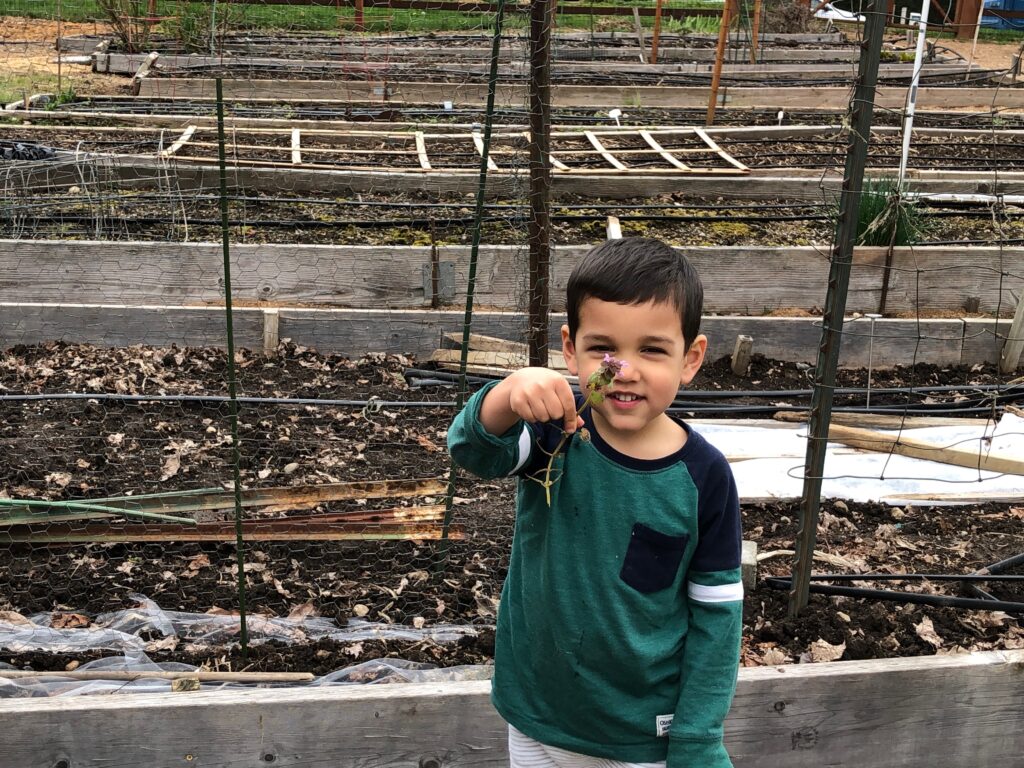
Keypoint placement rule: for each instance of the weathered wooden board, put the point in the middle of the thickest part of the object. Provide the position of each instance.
(796, 339)
(129, 63)
(354, 332)
(121, 326)
(139, 172)
(815, 97)
(922, 279)
(190, 273)
(984, 338)
(88, 43)
(930, 712)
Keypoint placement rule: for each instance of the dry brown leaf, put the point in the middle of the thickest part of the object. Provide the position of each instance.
(69, 621)
(172, 464)
(15, 618)
(355, 650)
(168, 643)
(926, 631)
(774, 657)
(202, 560)
(427, 443)
(301, 612)
(59, 479)
(821, 650)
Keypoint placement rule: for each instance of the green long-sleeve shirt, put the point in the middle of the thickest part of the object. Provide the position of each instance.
(619, 626)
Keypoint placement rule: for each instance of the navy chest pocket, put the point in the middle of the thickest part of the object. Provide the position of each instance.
(652, 559)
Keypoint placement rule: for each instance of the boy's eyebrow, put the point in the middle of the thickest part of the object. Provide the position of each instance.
(600, 337)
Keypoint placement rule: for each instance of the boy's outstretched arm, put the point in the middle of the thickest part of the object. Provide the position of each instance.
(712, 652)
(529, 394)
(489, 437)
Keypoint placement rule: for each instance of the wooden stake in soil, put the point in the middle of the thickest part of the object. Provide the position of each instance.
(754, 31)
(657, 32)
(741, 354)
(859, 132)
(1010, 357)
(716, 75)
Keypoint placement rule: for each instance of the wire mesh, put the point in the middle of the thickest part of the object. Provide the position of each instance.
(354, 140)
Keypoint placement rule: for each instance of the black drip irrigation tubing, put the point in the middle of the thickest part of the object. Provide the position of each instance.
(696, 407)
(884, 595)
(723, 394)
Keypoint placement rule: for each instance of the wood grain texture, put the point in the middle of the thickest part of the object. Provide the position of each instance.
(354, 332)
(929, 712)
(923, 279)
(804, 97)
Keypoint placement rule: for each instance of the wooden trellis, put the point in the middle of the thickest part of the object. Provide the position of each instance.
(654, 152)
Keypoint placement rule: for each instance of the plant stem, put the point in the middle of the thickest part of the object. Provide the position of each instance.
(547, 482)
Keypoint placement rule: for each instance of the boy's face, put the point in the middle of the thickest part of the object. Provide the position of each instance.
(649, 338)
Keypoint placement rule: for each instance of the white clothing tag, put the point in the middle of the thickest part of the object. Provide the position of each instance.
(663, 723)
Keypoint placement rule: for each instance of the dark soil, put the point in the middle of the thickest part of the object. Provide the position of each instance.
(60, 449)
(409, 219)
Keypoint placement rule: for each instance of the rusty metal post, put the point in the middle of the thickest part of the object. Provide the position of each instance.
(539, 229)
(859, 131)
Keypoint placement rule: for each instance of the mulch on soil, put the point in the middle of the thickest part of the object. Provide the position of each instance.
(60, 449)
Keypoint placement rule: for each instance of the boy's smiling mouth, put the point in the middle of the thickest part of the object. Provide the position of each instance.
(624, 398)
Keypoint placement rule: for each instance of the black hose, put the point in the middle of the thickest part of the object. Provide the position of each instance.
(914, 577)
(941, 601)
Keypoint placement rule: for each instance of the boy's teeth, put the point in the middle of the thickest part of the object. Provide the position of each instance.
(624, 397)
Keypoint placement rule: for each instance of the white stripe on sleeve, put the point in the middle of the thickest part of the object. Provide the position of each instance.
(525, 445)
(722, 593)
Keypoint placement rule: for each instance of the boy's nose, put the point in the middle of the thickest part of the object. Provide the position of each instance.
(629, 371)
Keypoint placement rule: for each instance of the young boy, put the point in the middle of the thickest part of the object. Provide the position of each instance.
(619, 626)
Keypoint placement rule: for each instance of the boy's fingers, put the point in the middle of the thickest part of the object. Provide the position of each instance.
(568, 402)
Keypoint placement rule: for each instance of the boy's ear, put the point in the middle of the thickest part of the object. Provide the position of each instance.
(693, 359)
(569, 352)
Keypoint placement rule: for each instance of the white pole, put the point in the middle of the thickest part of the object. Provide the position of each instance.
(908, 119)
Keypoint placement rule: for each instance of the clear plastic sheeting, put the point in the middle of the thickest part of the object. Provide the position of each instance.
(378, 671)
(402, 671)
(149, 627)
(767, 462)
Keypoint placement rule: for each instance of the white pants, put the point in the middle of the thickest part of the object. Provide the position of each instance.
(524, 752)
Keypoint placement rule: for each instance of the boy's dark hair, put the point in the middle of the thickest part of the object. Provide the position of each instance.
(636, 270)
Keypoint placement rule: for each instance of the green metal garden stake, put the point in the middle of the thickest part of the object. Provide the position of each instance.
(236, 450)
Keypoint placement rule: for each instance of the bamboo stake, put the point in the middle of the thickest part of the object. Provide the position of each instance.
(754, 31)
(716, 76)
(657, 32)
(85, 507)
(129, 675)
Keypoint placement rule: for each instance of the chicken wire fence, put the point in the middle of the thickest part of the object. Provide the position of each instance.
(352, 208)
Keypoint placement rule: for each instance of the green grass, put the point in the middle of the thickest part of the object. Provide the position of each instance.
(17, 87)
(885, 217)
(317, 19)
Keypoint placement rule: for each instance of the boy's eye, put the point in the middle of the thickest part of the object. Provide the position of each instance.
(654, 350)
(599, 348)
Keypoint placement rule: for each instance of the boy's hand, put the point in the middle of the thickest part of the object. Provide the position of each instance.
(531, 394)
